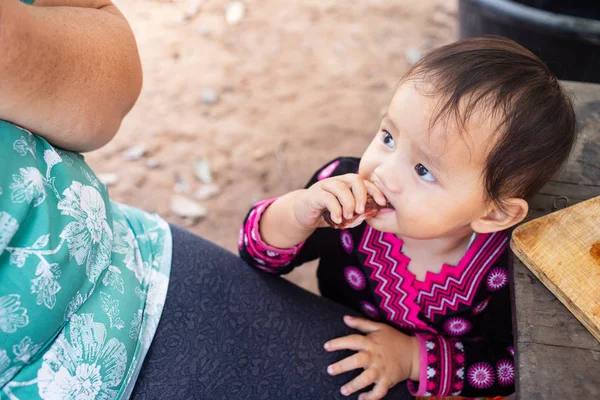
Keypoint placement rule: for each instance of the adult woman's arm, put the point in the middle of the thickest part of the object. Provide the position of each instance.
(69, 70)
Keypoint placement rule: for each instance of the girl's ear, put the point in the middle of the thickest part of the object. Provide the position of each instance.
(497, 219)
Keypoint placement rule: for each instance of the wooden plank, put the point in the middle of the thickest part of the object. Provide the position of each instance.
(555, 372)
(584, 163)
(557, 358)
(545, 320)
(559, 250)
(558, 195)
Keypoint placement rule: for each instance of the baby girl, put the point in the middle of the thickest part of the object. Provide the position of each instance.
(474, 129)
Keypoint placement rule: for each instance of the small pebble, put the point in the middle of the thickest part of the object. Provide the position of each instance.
(187, 208)
(193, 10)
(152, 164)
(134, 152)
(413, 55)
(206, 192)
(235, 12)
(181, 186)
(202, 171)
(209, 96)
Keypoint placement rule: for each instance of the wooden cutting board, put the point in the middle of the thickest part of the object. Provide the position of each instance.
(563, 250)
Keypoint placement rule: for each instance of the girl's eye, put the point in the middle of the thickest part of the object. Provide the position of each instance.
(424, 173)
(387, 139)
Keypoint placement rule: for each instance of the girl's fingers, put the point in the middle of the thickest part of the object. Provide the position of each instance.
(360, 382)
(360, 194)
(343, 193)
(359, 191)
(331, 203)
(358, 360)
(362, 324)
(377, 194)
(350, 342)
(379, 391)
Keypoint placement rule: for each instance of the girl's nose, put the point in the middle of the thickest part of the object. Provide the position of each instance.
(388, 178)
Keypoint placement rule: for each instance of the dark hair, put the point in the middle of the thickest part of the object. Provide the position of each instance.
(537, 121)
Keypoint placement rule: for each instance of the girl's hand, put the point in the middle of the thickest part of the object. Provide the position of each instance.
(343, 195)
(387, 356)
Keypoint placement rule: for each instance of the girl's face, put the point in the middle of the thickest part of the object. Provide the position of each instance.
(433, 177)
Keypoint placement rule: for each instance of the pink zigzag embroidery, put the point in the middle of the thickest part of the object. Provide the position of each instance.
(394, 287)
(462, 287)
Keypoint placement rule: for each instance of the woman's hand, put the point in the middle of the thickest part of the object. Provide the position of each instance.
(342, 196)
(386, 355)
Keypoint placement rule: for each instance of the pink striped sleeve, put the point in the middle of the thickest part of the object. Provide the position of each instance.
(442, 366)
(265, 257)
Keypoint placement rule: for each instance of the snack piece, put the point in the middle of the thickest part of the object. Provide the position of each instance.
(371, 210)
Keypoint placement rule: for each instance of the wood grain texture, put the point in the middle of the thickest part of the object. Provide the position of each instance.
(557, 358)
(550, 374)
(559, 249)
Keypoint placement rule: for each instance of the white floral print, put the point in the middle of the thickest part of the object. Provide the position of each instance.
(6, 371)
(57, 228)
(83, 364)
(125, 243)
(75, 304)
(111, 308)
(52, 158)
(8, 227)
(25, 350)
(114, 279)
(28, 187)
(136, 325)
(25, 144)
(89, 237)
(12, 315)
(45, 284)
(22, 352)
(154, 303)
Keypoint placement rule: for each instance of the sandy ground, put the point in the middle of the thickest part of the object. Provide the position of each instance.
(297, 83)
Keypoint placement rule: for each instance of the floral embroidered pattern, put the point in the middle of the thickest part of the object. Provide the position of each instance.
(457, 326)
(346, 241)
(355, 278)
(505, 370)
(511, 350)
(479, 308)
(497, 279)
(481, 375)
(369, 310)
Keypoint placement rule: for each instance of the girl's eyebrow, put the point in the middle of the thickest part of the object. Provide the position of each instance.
(387, 118)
